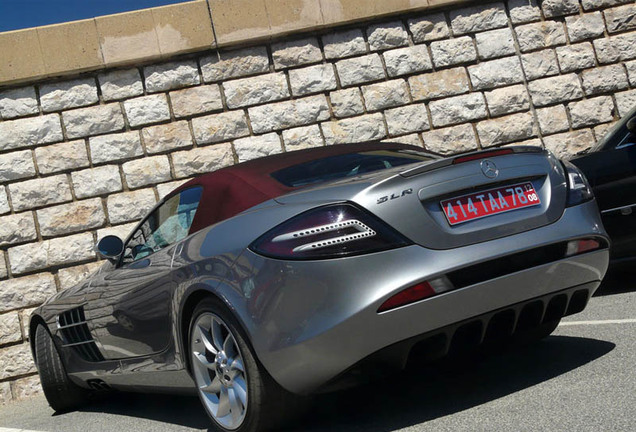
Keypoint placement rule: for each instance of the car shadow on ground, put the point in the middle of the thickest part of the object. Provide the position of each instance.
(420, 394)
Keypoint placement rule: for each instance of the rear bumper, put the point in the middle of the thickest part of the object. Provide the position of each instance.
(309, 322)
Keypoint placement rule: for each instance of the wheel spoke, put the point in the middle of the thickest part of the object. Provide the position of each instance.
(235, 406)
(206, 338)
(217, 334)
(224, 403)
(237, 364)
(204, 361)
(214, 387)
(240, 388)
(228, 346)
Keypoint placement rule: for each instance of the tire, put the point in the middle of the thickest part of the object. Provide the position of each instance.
(61, 393)
(235, 390)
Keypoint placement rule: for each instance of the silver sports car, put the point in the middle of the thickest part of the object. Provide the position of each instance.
(308, 271)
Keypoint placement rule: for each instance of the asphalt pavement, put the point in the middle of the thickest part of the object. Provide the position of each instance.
(579, 379)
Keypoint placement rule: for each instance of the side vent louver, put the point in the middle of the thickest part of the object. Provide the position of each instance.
(75, 334)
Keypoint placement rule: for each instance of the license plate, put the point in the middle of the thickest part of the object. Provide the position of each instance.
(491, 202)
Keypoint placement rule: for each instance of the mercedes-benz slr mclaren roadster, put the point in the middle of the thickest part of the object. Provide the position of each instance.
(304, 272)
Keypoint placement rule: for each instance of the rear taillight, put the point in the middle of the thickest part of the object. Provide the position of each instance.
(328, 232)
(417, 292)
(579, 189)
(481, 155)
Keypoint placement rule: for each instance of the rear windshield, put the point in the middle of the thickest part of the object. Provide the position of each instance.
(347, 165)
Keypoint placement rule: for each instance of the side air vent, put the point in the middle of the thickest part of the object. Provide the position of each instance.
(76, 335)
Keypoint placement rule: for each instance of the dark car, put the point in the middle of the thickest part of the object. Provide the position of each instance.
(306, 271)
(610, 168)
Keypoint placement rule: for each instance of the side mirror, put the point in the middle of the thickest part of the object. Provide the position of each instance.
(110, 247)
(631, 125)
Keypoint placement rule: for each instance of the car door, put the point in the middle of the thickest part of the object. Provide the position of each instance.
(129, 305)
(611, 171)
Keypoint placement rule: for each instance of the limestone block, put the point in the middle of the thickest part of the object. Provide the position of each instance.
(219, 127)
(387, 35)
(344, 44)
(586, 26)
(508, 129)
(616, 48)
(68, 94)
(146, 171)
(16, 165)
(283, 115)
(360, 70)
(347, 102)
(120, 84)
(10, 330)
(165, 188)
(302, 138)
(451, 140)
(256, 90)
(601, 130)
(412, 139)
(620, 18)
(166, 137)
(108, 148)
(356, 129)
(296, 53)
(18, 102)
(96, 181)
(507, 100)
(407, 119)
(447, 82)
(312, 79)
(553, 119)
(4, 201)
(235, 63)
(604, 79)
(5, 393)
(595, 4)
(16, 360)
(26, 291)
(61, 250)
(458, 109)
(566, 145)
(556, 89)
(40, 192)
(575, 57)
(554, 8)
(257, 146)
(591, 112)
(147, 110)
(27, 388)
(61, 157)
(478, 18)
(403, 61)
(524, 11)
(495, 43)
(450, 52)
(95, 120)
(121, 231)
(130, 206)
(196, 100)
(71, 218)
(496, 73)
(625, 101)
(173, 75)
(429, 28)
(17, 228)
(540, 35)
(540, 64)
(30, 131)
(202, 160)
(71, 276)
(385, 94)
(631, 71)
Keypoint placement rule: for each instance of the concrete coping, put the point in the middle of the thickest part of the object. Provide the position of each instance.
(166, 31)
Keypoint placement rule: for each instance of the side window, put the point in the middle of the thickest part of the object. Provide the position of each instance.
(168, 224)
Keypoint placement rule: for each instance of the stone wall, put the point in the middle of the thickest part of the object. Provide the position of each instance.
(89, 155)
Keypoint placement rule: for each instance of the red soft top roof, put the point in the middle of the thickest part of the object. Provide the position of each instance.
(231, 190)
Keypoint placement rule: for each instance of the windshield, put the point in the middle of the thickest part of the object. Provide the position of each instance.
(347, 165)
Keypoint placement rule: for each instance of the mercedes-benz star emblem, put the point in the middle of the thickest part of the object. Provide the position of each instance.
(489, 169)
